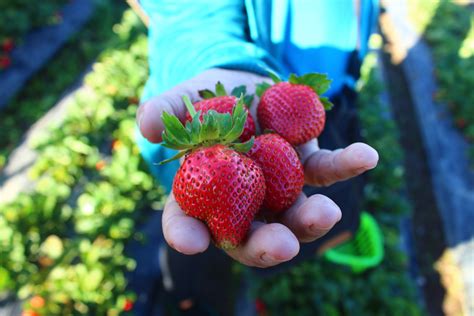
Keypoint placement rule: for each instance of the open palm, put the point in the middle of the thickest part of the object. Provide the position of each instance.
(307, 219)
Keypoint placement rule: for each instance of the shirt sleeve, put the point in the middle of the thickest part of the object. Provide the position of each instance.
(188, 37)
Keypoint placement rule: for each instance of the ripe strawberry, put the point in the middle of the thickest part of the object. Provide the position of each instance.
(282, 169)
(5, 61)
(223, 103)
(294, 109)
(7, 45)
(37, 302)
(223, 188)
(216, 183)
(128, 305)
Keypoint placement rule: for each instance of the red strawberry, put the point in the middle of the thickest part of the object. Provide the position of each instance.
(223, 188)
(7, 45)
(5, 61)
(294, 109)
(128, 305)
(220, 102)
(216, 183)
(283, 171)
(225, 104)
(37, 302)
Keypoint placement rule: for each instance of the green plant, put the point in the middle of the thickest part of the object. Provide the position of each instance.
(449, 31)
(68, 64)
(64, 241)
(20, 16)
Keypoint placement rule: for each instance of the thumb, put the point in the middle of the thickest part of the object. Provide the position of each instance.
(149, 113)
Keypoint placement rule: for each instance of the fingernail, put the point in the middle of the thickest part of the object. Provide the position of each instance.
(366, 155)
(328, 214)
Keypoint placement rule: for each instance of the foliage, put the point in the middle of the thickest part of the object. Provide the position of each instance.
(319, 287)
(36, 98)
(450, 35)
(20, 16)
(64, 242)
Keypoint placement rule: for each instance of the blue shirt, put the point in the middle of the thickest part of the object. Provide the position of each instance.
(287, 36)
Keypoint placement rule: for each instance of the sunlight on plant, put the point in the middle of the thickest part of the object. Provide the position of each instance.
(421, 12)
(467, 46)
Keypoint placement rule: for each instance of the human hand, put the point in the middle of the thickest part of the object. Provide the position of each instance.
(268, 244)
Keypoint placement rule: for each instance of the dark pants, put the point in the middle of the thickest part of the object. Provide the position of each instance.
(207, 278)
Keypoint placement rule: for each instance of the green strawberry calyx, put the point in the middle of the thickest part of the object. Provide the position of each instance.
(213, 128)
(320, 83)
(220, 92)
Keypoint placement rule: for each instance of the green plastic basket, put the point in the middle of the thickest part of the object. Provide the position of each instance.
(362, 252)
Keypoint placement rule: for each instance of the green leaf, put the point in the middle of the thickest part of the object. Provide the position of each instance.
(52, 247)
(261, 88)
(196, 128)
(326, 103)
(274, 76)
(170, 142)
(237, 129)
(244, 147)
(206, 94)
(220, 90)
(320, 83)
(294, 79)
(238, 109)
(238, 91)
(175, 157)
(174, 128)
(239, 116)
(248, 100)
(209, 129)
(224, 123)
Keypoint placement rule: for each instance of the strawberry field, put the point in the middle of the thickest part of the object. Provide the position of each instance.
(62, 243)
(452, 43)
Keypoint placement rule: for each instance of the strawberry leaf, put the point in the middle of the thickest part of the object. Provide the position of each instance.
(274, 76)
(196, 128)
(248, 100)
(238, 91)
(206, 94)
(225, 123)
(320, 83)
(210, 130)
(170, 142)
(244, 147)
(220, 90)
(326, 103)
(175, 157)
(175, 128)
(261, 88)
(206, 130)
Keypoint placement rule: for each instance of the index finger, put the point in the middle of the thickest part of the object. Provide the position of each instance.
(183, 233)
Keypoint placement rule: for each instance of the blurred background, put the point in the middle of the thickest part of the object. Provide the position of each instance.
(74, 191)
